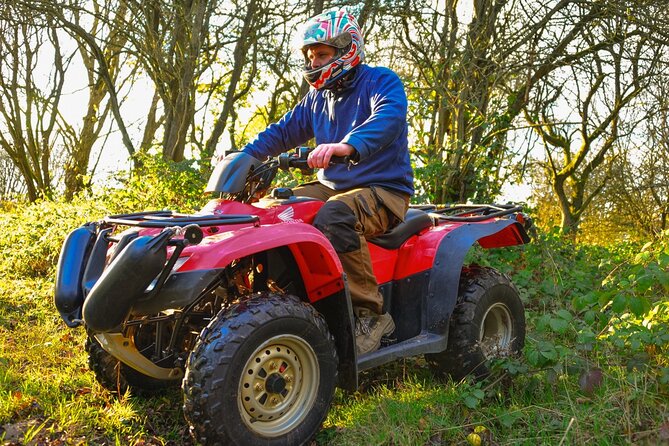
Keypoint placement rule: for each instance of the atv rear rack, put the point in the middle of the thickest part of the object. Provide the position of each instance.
(166, 219)
(474, 212)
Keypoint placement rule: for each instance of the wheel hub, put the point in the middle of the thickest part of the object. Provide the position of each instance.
(278, 385)
(275, 383)
(496, 331)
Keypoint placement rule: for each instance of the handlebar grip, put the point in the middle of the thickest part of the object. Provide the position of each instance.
(298, 159)
(340, 160)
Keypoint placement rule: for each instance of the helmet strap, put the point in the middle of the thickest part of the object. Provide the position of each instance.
(343, 82)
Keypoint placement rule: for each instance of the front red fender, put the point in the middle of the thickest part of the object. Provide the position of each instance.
(317, 261)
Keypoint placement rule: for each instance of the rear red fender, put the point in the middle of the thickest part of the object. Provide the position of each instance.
(418, 253)
(317, 261)
(442, 250)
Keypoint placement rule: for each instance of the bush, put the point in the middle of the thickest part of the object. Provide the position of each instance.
(158, 184)
(591, 306)
(34, 233)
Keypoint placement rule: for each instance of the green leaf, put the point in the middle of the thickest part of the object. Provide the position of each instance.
(639, 305)
(508, 419)
(549, 352)
(478, 393)
(619, 303)
(590, 317)
(471, 401)
(663, 260)
(586, 336)
(642, 257)
(543, 323)
(559, 325)
(605, 297)
(564, 314)
(541, 354)
(663, 278)
(645, 282)
(579, 303)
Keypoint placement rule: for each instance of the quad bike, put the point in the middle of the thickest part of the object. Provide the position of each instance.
(245, 303)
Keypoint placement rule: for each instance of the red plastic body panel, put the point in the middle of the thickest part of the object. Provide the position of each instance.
(269, 211)
(509, 236)
(286, 223)
(417, 254)
(383, 262)
(318, 262)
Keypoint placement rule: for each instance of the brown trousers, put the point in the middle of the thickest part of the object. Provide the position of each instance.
(376, 210)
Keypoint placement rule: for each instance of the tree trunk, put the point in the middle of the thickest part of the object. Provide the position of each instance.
(240, 55)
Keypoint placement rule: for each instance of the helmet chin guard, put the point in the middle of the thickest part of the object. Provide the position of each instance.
(338, 29)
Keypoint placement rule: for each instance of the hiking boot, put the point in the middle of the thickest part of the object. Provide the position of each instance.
(370, 328)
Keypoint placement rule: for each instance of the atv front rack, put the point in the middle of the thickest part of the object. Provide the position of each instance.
(166, 219)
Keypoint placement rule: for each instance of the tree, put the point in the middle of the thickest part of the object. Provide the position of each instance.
(168, 38)
(93, 29)
(472, 80)
(29, 111)
(240, 58)
(639, 187)
(11, 184)
(617, 64)
(81, 141)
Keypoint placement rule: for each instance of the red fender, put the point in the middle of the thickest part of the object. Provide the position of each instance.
(319, 265)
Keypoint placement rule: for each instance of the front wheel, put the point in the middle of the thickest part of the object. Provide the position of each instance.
(262, 373)
(117, 377)
(488, 322)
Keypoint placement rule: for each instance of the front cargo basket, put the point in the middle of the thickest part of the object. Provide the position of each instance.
(165, 219)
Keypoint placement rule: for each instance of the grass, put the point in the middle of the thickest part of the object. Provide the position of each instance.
(530, 409)
(48, 396)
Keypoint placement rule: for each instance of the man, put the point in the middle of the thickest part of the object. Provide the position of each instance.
(358, 111)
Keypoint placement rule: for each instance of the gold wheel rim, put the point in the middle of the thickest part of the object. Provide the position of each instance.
(278, 385)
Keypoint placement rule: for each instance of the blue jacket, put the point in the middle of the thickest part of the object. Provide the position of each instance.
(369, 114)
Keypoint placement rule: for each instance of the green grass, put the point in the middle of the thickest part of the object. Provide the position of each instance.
(49, 396)
(530, 409)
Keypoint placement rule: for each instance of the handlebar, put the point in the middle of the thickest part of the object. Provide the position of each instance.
(298, 159)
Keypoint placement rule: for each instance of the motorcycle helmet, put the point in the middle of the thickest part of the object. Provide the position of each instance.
(338, 29)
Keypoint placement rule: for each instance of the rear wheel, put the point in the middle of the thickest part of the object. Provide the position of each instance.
(262, 373)
(488, 322)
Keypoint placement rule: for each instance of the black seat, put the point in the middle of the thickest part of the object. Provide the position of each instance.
(415, 221)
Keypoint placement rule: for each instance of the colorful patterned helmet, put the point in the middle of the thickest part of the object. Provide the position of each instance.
(339, 30)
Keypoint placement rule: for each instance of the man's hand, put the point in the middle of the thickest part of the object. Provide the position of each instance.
(321, 155)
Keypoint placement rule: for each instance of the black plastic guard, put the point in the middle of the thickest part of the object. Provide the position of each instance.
(69, 294)
(124, 282)
(445, 278)
(179, 291)
(96, 261)
(229, 175)
(338, 313)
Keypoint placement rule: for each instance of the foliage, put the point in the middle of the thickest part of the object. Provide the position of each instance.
(34, 233)
(157, 184)
(591, 306)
